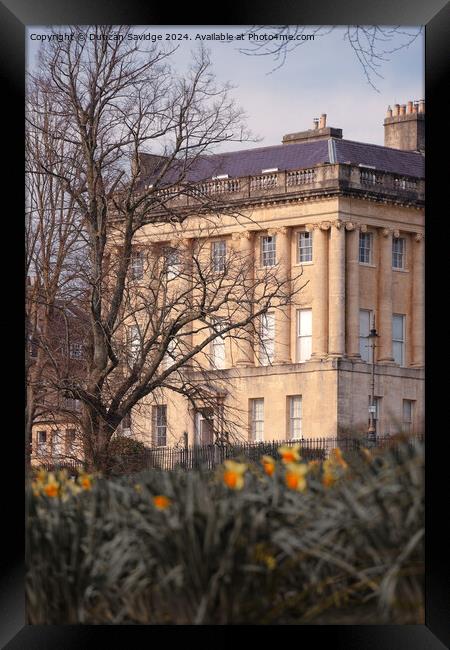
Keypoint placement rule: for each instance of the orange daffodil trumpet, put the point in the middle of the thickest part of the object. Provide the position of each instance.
(51, 489)
(268, 464)
(233, 474)
(161, 502)
(289, 454)
(295, 476)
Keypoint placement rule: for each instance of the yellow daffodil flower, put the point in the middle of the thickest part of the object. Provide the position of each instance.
(289, 454)
(233, 475)
(52, 486)
(337, 458)
(295, 476)
(269, 464)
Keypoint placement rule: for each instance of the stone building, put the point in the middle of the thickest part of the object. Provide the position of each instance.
(351, 216)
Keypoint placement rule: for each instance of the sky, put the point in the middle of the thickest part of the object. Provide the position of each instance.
(320, 76)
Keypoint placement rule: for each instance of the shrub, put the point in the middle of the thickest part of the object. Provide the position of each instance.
(207, 548)
(126, 455)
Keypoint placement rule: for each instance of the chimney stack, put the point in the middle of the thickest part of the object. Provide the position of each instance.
(404, 127)
(320, 132)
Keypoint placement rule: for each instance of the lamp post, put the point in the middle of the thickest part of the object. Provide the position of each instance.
(372, 432)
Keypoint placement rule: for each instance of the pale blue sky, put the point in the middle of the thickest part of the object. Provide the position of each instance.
(321, 76)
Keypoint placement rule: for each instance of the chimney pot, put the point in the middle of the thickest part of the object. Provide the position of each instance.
(389, 112)
(422, 106)
(316, 122)
(403, 109)
(396, 110)
(323, 121)
(409, 109)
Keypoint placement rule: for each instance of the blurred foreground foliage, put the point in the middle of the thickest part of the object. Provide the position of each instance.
(184, 548)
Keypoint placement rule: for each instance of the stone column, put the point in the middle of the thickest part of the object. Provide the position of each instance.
(384, 325)
(185, 292)
(352, 291)
(282, 353)
(320, 292)
(244, 354)
(418, 303)
(336, 283)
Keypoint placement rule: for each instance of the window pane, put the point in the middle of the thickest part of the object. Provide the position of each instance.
(305, 322)
(397, 352)
(268, 250)
(365, 247)
(304, 247)
(407, 410)
(397, 327)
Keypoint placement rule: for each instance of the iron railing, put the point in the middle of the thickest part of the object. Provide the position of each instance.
(210, 456)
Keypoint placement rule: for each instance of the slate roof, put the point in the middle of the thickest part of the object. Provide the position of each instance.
(250, 162)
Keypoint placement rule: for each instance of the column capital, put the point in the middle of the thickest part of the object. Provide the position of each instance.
(325, 225)
(309, 227)
(363, 227)
(386, 232)
(244, 234)
(396, 233)
(350, 225)
(418, 236)
(338, 224)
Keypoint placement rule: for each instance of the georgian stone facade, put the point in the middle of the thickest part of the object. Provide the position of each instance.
(367, 228)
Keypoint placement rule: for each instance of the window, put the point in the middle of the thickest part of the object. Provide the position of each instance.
(134, 342)
(160, 425)
(171, 354)
(398, 338)
(58, 443)
(172, 261)
(304, 252)
(295, 417)
(137, 265)
(267, 334)
(76, 351)
(257, 419)
(126, 424)
(218, 255)
(398, 253)
(365, 247)
(218, 353)
(204, 430)
(72, 404)
(70, 440)
(304, 334)
(365, 319)
(408, 414)
(268, 251)
(41, 441)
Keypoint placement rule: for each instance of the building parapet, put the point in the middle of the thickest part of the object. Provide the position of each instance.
(323, 179)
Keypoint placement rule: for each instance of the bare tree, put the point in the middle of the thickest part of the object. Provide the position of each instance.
(111, 100)
(54, 251)
(373, 45)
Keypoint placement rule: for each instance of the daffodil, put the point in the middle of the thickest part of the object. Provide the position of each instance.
(337, 458)
(161, 502)
(52, 486)
(289, 454)
(269, 464)
(295, 476)
(233, 474)
(85, 480)
(138, 488)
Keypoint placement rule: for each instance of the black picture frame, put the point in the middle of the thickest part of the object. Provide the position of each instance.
(15, 15)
